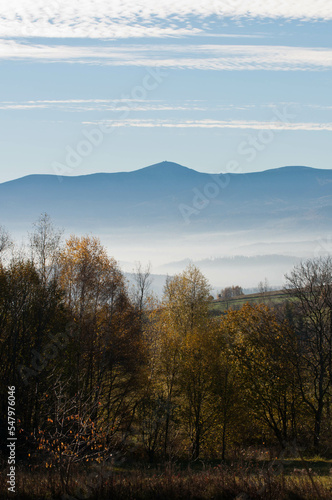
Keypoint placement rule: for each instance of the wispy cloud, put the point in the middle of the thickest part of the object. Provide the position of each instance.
(123, 104)
(201, 57)
(218, 124)
(140, 18)
(80, 105)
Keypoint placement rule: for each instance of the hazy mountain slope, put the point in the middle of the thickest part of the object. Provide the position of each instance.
(167, 196)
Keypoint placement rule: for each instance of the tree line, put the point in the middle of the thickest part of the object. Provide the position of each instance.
(103, 371)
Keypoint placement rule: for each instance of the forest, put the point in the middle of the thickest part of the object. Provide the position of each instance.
(109, 379)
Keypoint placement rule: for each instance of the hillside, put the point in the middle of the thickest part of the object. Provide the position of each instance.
(270, 298)
(235, 227)
(170, 196)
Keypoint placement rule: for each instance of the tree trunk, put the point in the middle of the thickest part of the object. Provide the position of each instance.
(223, 451)
(318, 421)
(166, 434)
(196, 447)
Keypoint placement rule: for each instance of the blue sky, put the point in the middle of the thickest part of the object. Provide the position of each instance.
(100, 86)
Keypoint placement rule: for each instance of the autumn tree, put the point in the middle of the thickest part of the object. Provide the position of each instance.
(182, 323)
(258, 344)
(186, 300)
(89, 280)
(107, 353)
(69, 437)
(199, 410)
(309, 286)
(226, 389)
(31, 316)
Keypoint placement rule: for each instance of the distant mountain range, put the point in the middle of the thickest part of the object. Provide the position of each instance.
(170, 197)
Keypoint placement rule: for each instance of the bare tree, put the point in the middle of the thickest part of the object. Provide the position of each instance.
(71, 435)
(5, 241)
(264, 287)
(45, 245)
(310, 284)
(142, 285)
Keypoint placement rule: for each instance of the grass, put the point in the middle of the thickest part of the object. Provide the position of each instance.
(241, 481)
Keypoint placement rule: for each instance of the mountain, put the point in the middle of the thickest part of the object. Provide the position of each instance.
(170, 197)
(238, 228)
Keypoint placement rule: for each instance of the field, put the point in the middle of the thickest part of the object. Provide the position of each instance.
(243, 480)
(219, 306)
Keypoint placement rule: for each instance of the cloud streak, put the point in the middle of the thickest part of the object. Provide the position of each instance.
(177, 56)
(115, 106)
(140, 18)
(218, 124)
(85, 105)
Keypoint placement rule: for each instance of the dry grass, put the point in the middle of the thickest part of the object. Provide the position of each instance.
(219, 483)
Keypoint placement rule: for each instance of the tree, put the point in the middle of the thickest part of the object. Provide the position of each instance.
(258, 344)
(198, 409)
(31, 315)
(161, 394)
(227, 387)
(107, 352)
(264, 287)
(45, 246)
(309, 285)
(88, 276)
(231, 292)
(186, 299)
(5, 241)
(184, 323)
(69, 437)
(176, 362)
(142, 284)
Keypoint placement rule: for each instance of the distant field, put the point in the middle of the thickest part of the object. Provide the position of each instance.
(270, 298)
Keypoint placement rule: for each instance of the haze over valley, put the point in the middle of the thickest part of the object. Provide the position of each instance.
(238, 228)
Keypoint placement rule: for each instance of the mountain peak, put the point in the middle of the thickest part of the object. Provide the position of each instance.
(167, 167)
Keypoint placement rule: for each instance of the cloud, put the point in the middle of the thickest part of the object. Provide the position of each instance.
(158, 105)
(199, 57)
(218, 124)
(78, 105)
(141, 18)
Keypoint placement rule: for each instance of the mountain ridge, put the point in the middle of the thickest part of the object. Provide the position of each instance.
(167, 196)
(176, 168)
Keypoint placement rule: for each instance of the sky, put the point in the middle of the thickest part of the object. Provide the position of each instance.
(104, 86)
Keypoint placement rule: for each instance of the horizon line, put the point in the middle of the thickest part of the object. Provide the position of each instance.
(69, 175)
